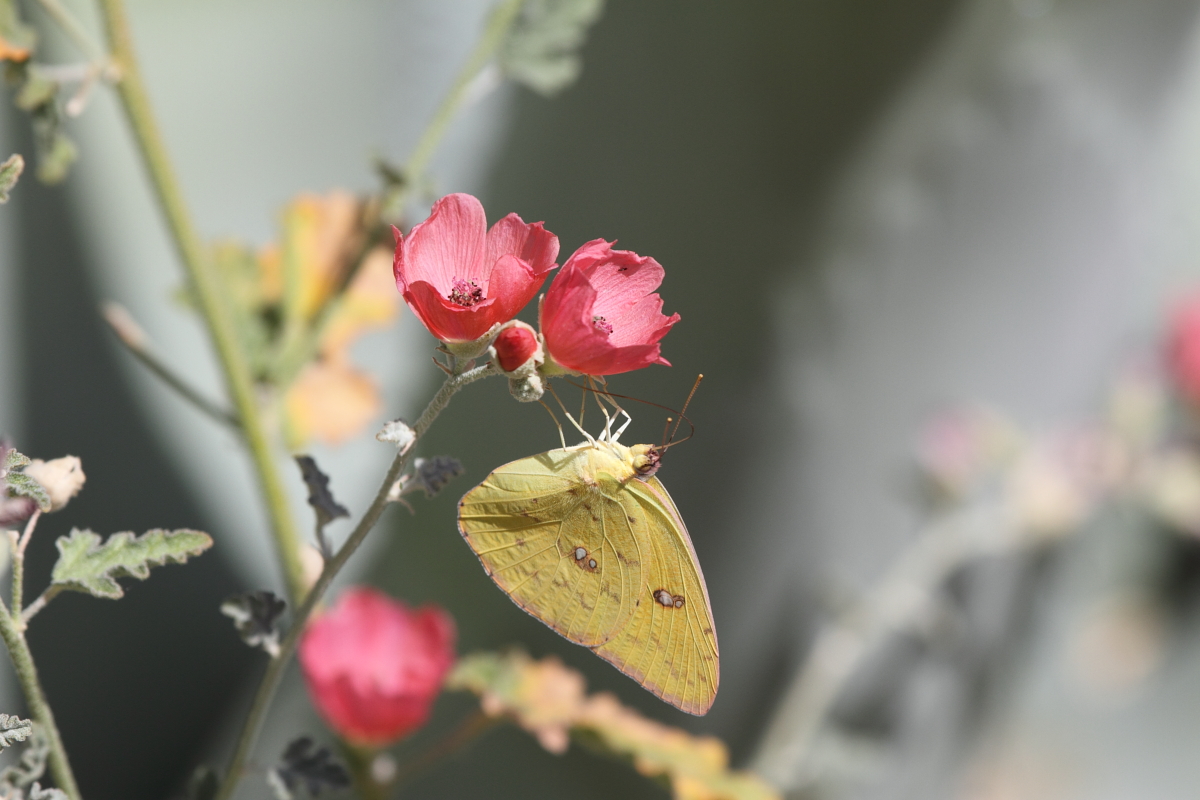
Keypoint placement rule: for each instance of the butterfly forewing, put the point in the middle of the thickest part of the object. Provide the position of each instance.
(670, 644)
(558, 547)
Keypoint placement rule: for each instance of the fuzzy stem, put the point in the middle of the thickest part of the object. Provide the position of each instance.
(39, 707)
(210, 293)
(275, 669)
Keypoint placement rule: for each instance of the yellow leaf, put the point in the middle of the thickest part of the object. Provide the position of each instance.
(11, 52)
(550, 701)
(371, 301)
(330, 401)
(322, 234)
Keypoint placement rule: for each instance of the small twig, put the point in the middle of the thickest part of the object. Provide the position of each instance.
(498, 23)
(135, 341)
(18, 564)
(38, 604)
(275, 669)
(28, 533)
(75, 30)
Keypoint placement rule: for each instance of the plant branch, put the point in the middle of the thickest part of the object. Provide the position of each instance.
(39, 707)
(134, 338)
(275, 669)
(75, 31)
(38, 604)
(903, 599)
(500, 20)
(210, 294)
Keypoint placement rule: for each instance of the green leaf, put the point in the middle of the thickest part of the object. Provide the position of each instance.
(86, 565)
(10, 170)
(21, 485)
(13, 460)
(13, 729)
(542, 47)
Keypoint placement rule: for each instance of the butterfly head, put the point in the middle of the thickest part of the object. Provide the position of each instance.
(646, 459)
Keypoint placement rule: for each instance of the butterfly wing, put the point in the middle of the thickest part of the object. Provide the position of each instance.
(669, 645)
(562, 551)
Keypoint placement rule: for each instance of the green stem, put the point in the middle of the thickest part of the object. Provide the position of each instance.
(210, 294)
(500, 20)
(359, 760)
(275, 669)
(74, 30)
(39, 707)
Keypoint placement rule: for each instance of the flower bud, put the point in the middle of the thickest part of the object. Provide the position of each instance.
(517, 350)
(374, 667)
(62, 478)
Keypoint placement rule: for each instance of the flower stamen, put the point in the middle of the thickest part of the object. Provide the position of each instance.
(465, 293)
(602, 325)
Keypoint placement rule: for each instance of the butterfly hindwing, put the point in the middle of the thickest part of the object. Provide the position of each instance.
(670, 644)
(562, 552)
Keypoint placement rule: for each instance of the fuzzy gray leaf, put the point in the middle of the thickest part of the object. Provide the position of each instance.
(32, 765)
(434, 473)
(542, 47)
(86, 565)
(36, 792)
(13, 729)
(319, 496)
(255, 614)
(10, 171)
(305, 764)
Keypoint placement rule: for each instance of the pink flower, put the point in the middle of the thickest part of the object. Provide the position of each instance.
(601, 315)
(1183, 347)
(460, 278)
(373, 667)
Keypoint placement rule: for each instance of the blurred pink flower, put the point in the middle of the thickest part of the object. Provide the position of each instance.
(1183, 347)
(460, 278)
(374, 667)
(601, 315)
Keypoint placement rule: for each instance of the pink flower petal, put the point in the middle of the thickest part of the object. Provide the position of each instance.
(531, 243)
(448, 245)
(447, 321)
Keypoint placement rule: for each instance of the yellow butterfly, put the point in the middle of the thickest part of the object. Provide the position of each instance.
(587, 540)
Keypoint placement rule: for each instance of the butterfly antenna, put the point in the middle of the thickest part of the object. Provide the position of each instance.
(666, 425)
(682, 412)
(591, 440)
(550, 411)
(610, 395)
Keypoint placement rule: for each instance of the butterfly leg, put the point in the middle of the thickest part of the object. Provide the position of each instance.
(590, 439)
